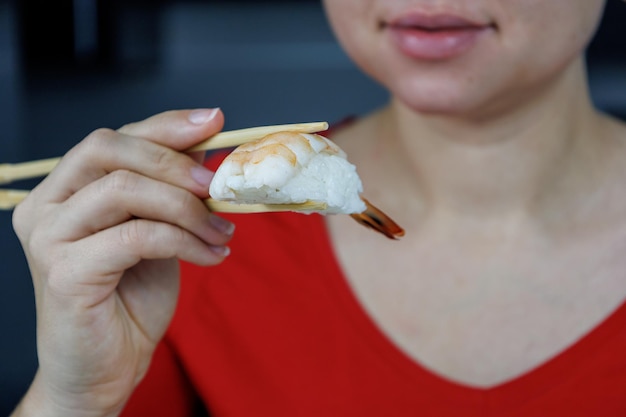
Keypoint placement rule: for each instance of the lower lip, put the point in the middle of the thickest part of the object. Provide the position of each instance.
(435, 45)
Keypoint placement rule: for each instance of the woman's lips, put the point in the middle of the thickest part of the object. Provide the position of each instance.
(434, 37)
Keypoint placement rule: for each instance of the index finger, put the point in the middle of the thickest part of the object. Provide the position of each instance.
(149, 147)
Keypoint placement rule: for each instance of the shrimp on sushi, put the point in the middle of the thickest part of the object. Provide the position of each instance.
(291, 168)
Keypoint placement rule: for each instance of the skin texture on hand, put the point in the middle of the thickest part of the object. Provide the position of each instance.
(103, 234)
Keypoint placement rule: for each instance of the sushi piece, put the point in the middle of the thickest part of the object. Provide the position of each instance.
(290, 168)
(293, 168)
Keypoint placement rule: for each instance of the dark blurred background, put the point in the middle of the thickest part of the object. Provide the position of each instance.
(69, 66)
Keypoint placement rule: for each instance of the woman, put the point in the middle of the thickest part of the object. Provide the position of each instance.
(506, 297)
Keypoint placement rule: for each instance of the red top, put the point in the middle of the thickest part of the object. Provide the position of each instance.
(276, 331)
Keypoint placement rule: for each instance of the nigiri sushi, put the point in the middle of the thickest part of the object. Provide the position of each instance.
(290, 167)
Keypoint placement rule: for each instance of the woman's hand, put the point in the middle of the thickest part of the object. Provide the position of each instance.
(102, 235)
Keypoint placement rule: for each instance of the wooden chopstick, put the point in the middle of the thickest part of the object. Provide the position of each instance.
(24, 170)
(240, 136)
(11, 198)
(219, 206)
(32, 169)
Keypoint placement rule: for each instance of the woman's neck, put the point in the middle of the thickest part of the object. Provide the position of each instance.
(523, 160)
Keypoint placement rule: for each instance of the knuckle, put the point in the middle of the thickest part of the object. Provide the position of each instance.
(173, 235)
(119, 182)
(133, 232)
(21, 220)
(26, 218)
(185, 203)
(178, 237)
(163, 157)
(128, 127)
(94, 144)
(142, 236)
(98, 138)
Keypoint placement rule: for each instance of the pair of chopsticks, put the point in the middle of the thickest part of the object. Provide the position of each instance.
(12, 172)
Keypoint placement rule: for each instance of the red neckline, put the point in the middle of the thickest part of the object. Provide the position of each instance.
(525, 387)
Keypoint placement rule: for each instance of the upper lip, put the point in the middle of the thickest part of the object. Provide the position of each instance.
(436, 21)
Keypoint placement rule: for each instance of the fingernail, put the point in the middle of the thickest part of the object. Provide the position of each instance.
(222, 225)
(202, 116)
(220, 250)
(202, 176)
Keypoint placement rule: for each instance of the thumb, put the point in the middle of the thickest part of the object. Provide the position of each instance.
(177, 129)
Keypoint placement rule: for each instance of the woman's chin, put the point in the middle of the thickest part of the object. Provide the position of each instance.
(442, 106)
(453, 99)
(444, 96)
